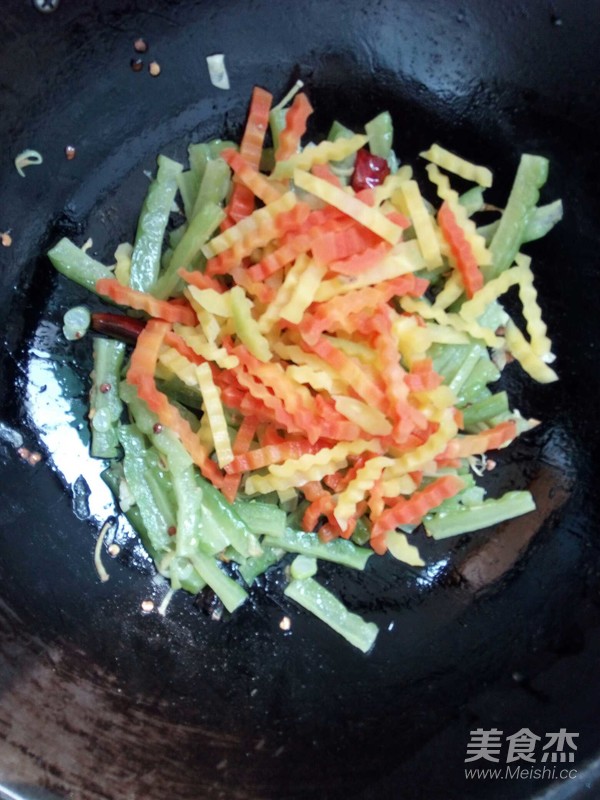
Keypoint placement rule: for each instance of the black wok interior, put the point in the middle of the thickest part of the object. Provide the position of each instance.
(97, 699)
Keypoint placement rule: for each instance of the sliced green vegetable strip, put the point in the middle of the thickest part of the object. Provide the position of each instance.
(231, 594)
(484, 410)
(380, 131)
(188, 183)
(199, 230)
(277, 124)
(531, 176)
(71, 261)
(251, 568)
(222, 515)
(199, 156)
(181, 392)
(134, 467)
(112, 477)
(339, 551)
(475, 517)
(145, 259)
(472, 200)
(362, 532)
(261, 518)
(303, 567)
(214, 186)
(541, 220)
(323, 604)
(161, 493)
(475, 354)
(183, 575)
(105, 403)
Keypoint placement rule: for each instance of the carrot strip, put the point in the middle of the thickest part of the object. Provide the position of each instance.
(477, 443)
(349, 370)
(466, 263)
(295, 127)
(412, 510)
(241, 444)
(354, 265)
(201, 280)
(324, 171)
(141, 374)
(320, 507)
(337, 245)
(259, 185)
(162, 309)
(241, 203)
(271, 454)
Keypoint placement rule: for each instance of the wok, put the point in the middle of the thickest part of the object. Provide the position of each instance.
(97, 699)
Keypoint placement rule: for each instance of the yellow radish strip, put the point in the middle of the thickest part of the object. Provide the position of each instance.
(213, 408)
(304, 292)
(453, 320)
(248, 224)
(520, 348)
(320, 154)
(458, 166)
(366, 477)
(423, 223)
(371, 218)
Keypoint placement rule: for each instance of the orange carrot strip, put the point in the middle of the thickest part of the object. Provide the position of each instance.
(349, 370)
(201, 280)
(312, 490)
(410, 511)
(241, 444)
(466, 263)
(271, 454)
(141, 375)
(295, 127)
(337, 245)
(241, 203)
(320, 507)
(324, 171)
(162, 309)
(259, 185)
(477, 443)
(354, 265)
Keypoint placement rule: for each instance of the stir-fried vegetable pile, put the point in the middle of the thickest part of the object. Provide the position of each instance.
(312, 372)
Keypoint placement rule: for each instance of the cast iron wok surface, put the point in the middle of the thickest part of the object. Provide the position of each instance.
(98, 700)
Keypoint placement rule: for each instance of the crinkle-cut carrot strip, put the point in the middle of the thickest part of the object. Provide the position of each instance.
(457, 165)
(295, 127)
(294, 395)
(522, 350)
(350, 371)
(320, 154)
(401, 260)
(412, 204)
(337, 481)
(411, 511)
(356, 264)
(422, 377)
(263, 216)
(332, 425)
(201, 280)
(271, 454)
(241, 444)
(337, 245)
(375, 501)
(307, 468)
(324, 171)
(427, 311)
(312, 490)
(141, 374)
(272, 404)
(161, 309)
(320, 507)
(176, 342)
(328, 532)
(262, 233)
(466, 262)
(146, 350)
(329, 314)
(447, 193)
(358, 488)
(241, 203)
(435, 444)
(296, 243)
(260, 291)
(259, 185)
(268, 435)
(350, 205)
